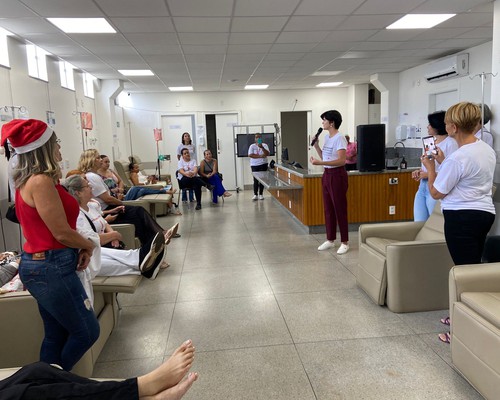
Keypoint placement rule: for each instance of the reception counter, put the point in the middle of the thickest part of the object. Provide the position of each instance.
(369, 197)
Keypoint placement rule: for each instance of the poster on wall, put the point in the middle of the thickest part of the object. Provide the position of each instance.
(157, 134)
(51, 118)
(86, 119)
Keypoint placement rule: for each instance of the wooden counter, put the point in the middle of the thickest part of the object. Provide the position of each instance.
(368, 197)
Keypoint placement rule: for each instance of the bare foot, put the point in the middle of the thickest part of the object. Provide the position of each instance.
(178, 391)
(169, 373)
(227, 194)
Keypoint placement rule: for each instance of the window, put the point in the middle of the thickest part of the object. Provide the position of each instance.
(37, 67)
(66, 74)
(4, 51)
(88, 85)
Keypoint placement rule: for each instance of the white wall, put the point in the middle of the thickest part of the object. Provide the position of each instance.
(415, 91)
(254, 107)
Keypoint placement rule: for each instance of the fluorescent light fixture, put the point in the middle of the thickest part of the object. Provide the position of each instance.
(180, 88)
(419, 21)
(136, 72)
(329, 84)
(82, 25)
(326, 73)
(256, 87)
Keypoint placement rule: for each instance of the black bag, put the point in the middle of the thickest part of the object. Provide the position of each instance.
(220, 175)
(11, 214)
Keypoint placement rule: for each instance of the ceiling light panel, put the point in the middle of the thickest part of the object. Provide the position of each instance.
(82, 25)
(419, 21)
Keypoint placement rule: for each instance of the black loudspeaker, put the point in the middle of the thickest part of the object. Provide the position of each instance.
(371, 147)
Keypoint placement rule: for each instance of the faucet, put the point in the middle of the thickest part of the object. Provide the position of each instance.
(396, 154)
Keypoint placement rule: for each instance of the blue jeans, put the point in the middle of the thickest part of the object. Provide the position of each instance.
(424, 203)
(191, 194)
(71, 326)
(137, 191)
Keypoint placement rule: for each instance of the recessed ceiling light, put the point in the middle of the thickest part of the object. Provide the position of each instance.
(329, 84)
(256, 87)
(326, 73)
(82, 25)
(419, 21)
(136, 72)
(180, 88)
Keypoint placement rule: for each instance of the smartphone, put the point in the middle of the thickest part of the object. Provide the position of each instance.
(429, 145)
(259, 140)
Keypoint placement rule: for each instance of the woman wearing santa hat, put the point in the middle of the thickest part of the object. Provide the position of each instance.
(54, 250)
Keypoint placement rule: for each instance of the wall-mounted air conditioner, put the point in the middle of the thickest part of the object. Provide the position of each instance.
(449, 67)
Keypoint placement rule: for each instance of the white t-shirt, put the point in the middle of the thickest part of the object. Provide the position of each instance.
(487, 136)
(98, 187)
(466, 177)
(447, 146)
(331, 146)
(186, 166)
(95, 215)
(254, 149)
(191, 149)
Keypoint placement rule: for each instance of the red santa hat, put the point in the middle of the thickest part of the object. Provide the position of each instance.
(26, 135)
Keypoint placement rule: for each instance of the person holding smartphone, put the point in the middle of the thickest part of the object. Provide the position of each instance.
(442, 146)
(464, 186)
(258, 153)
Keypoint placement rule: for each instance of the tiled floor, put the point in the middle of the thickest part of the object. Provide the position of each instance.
(273, 318)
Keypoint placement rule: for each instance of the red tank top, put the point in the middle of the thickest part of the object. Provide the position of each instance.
(38, 237)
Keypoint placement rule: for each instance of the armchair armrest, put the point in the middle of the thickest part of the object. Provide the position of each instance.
(128, 234)
(404, 231)
(137, 203)
(473, 278)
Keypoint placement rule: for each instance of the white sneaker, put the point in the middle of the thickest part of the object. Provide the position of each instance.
(261, 197)
(254, 198)
(327, 245)
(344, 248)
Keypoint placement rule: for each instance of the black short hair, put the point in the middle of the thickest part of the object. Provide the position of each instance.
(436, 120)
(333, 116)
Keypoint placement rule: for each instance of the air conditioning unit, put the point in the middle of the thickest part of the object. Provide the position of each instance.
(447, 68)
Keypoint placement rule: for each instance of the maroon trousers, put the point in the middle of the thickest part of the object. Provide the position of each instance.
(334, 184)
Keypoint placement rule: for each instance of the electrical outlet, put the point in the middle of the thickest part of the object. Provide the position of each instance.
(393, 181)
(392, 210)
(167, 157)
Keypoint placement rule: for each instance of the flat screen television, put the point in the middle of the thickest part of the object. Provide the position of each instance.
(243, 142)
(284, 154)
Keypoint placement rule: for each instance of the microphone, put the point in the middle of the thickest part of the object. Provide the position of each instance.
(316, 137)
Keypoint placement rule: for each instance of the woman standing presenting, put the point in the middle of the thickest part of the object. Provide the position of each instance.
(464, 185)
(334, 181)
(53, 251)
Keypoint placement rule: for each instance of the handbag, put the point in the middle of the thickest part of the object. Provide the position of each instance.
(220, 175)
(11, 214)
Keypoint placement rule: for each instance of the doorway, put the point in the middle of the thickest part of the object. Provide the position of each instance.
(221, 143)
(294, 135)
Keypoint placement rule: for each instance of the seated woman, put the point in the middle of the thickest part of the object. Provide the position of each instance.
(113, 261)
(111, 178)
(145, 225)
(210, 173)
(9, 265)
(187, 174)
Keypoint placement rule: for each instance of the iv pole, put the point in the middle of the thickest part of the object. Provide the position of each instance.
(483, 78)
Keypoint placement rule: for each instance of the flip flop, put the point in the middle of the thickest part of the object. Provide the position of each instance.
(445, 321)
(445, 337)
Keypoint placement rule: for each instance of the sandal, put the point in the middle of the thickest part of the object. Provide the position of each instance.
(445, 321)
(445, 337)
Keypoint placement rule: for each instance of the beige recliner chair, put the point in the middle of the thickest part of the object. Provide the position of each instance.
(405, 264)
(475, 325)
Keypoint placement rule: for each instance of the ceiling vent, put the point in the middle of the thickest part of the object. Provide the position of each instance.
(447, 68)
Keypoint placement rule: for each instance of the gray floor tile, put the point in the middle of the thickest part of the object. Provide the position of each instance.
(229, 323)
(127, 368)
(382, 368)
(425, 322)
(280, 252)
(213, 283)
(272, 372)
(304, 276)
(340, 314)
(141, 333)
(215, 257)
